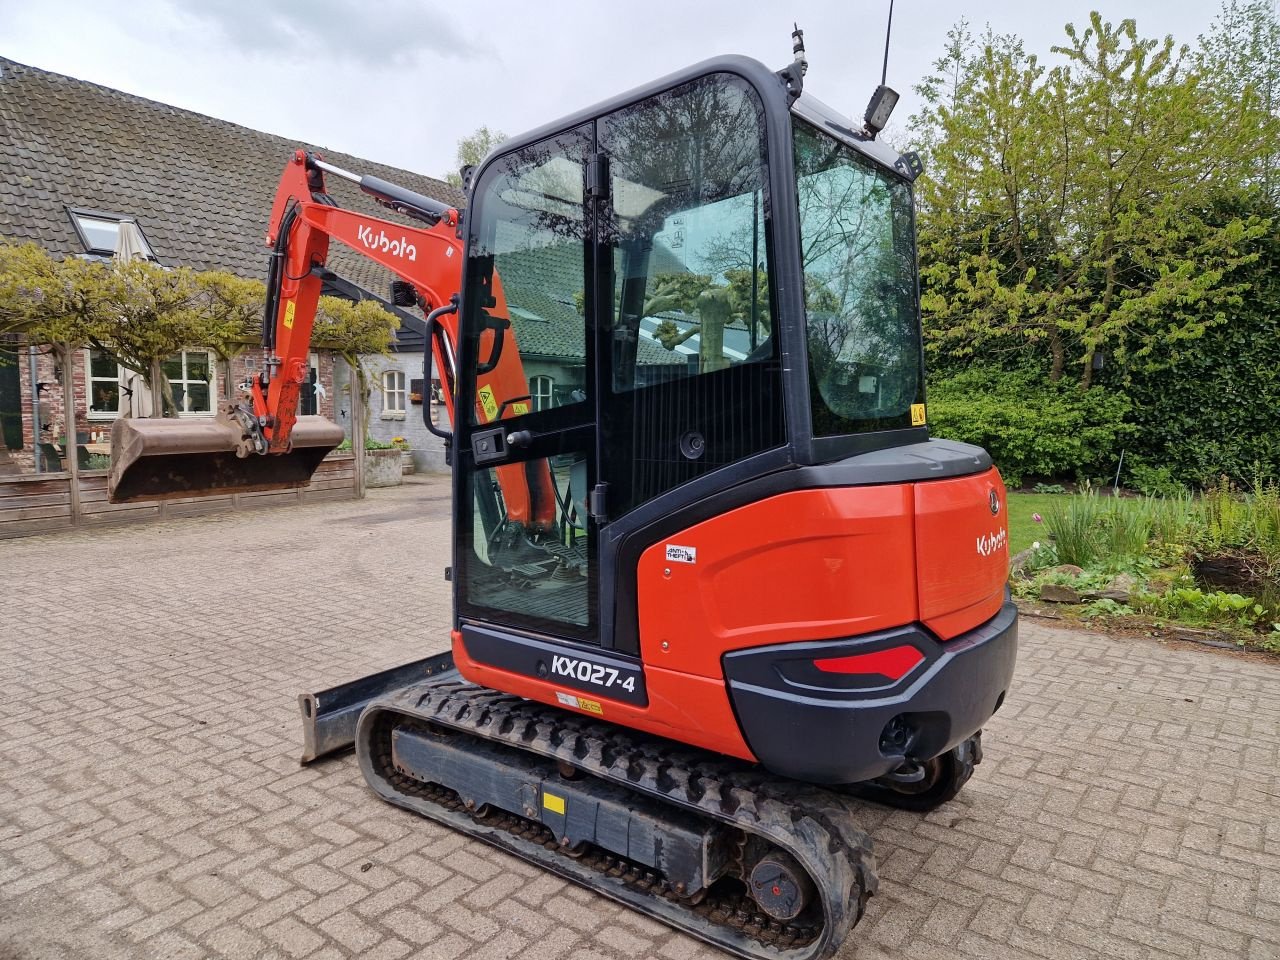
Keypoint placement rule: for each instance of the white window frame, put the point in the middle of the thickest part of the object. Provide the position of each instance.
(394, 398)
(542, 391)
(211, 366)
(90, 380)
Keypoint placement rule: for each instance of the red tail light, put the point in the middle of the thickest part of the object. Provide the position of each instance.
(894, 663)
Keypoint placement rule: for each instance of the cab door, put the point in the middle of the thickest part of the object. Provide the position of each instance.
(526, 554)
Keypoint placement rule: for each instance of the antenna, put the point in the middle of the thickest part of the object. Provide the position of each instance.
(884, 73)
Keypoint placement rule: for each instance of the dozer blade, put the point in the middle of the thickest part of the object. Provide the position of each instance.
(166, 459)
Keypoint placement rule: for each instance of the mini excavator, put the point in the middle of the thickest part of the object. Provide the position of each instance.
(714, 584)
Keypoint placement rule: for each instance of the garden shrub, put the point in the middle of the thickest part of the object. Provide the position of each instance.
(1207, 406)
(1153, 481)
(1031, 426)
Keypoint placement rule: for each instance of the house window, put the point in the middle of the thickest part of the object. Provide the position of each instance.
(99, 232)
(190, 374)
(393, 392)
(105, 393)
(540, 389)
(311, 391)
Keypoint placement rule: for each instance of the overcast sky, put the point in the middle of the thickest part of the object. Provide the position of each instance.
(401, 80)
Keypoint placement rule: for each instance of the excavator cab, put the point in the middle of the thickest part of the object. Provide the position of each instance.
(709, 283)
(710, 288)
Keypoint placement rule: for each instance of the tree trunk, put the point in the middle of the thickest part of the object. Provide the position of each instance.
(713, 311)
(163, 403)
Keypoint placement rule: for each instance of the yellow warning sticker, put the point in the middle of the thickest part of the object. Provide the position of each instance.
(519, 409)
(288, 314)
(488, 403)
(917, 414)
(553, 803)
(582, 703)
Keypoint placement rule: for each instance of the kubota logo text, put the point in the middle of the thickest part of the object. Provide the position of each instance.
(380, 241)
(989, 543)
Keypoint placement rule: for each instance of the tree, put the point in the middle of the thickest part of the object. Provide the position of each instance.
(1240, 59)
(472, 149)
(233, 307)
(1069, 210)
(352, 329)
(138, 313)
(46, 300)
(149, 314)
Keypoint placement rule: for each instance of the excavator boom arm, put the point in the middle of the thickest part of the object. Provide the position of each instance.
(165, 459)
(303, 220)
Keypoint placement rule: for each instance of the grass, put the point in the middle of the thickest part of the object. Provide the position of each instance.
(1023, 531)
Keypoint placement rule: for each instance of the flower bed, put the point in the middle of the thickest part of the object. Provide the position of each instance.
(1209, 561)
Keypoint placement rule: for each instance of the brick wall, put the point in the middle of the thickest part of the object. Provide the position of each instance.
(50, 375)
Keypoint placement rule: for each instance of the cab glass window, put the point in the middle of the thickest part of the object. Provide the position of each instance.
(687, 231)
(859, 259)
(525, 316)
(689, 352)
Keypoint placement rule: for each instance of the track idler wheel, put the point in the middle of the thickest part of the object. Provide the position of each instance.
(780, 886)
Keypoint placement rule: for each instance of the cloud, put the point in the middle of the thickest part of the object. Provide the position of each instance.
(388, 33)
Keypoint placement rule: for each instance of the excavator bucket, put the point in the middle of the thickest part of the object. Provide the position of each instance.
(166, 459)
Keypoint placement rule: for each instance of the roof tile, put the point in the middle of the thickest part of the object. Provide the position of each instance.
(201, 188)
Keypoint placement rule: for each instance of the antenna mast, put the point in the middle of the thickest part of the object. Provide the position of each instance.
(884, 73)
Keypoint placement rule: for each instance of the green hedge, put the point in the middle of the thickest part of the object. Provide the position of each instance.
(1031, 426)
(1211, 407)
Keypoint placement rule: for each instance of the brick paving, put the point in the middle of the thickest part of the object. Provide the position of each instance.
(151, 804)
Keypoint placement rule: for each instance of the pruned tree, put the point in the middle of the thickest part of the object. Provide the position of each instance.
(353, 329)
(141, 314)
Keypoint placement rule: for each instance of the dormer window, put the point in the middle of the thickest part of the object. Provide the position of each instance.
(99, 231)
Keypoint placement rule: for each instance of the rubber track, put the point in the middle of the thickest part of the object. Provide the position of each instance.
(815, 826)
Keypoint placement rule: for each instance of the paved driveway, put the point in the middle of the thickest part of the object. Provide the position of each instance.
(151, 804)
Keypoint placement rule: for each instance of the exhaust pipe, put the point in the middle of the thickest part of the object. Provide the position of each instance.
(168, 459)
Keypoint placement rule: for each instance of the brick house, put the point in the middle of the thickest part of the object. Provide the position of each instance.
(76, 158)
